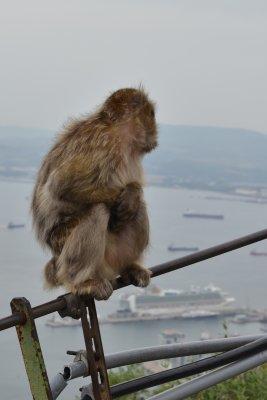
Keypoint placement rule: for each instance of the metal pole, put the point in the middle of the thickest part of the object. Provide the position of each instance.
(39, 311)
(136, 356)
(60, 303)
(203, 255)
(177, 350)
(79, 368)
(213, 378)
(31, 351)
(57, 384)
(190, 369)
(95, 354)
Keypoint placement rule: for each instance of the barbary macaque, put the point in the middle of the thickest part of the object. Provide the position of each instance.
(88, 205)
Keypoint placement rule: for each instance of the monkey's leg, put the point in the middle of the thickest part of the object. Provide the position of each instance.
(50, 274)
(82, 267)
(125, 249)
(138, 231)
(56, 239)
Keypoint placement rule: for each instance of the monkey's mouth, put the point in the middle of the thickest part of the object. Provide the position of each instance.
(150, 146)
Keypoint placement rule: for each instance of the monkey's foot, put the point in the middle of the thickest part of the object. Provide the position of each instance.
(136, 275)
(100, 289)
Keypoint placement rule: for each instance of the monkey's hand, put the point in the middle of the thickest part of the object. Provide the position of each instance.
(126, 206)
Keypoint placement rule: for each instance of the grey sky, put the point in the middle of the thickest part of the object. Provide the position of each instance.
(203, 61)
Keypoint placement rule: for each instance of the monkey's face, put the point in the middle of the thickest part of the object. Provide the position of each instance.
(146, 132)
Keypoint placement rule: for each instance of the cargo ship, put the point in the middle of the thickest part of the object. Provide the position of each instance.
(172, 247)
(258, 253)
(154, 303)
(192, 214)
(11, 225)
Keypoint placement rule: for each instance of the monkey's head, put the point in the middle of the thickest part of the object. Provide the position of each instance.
(133, 107)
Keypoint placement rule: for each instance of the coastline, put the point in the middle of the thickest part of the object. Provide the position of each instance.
(231, 191)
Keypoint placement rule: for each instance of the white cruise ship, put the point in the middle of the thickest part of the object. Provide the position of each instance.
(154, 303)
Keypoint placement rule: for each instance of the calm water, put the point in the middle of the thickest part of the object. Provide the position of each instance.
(21, 261)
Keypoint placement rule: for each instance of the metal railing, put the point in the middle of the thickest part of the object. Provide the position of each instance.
(236, 355)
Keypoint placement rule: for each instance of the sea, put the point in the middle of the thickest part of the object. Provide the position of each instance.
(241, 275)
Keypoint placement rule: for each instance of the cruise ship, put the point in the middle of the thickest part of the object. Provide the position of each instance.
(154, 303)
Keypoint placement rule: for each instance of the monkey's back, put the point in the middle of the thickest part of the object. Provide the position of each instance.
(90, 149)
(51, 214)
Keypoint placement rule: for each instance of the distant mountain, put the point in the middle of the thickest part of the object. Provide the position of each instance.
(205, 157)
(209, 157)
(21, 150)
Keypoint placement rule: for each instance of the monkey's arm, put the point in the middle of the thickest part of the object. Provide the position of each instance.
(126, 207)
(75, 185)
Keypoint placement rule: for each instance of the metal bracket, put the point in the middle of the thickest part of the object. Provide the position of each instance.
(87, 393)
(94, 350)
(73, 306)
(31, 351)
(80, 355)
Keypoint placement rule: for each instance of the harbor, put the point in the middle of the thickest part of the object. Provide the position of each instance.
(231, 273)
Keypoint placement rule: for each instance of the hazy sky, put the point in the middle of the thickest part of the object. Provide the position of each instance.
(203, 61)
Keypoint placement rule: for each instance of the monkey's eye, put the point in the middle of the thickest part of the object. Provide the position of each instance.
(152, 113)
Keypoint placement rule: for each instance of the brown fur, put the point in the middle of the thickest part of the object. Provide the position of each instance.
(88, 205)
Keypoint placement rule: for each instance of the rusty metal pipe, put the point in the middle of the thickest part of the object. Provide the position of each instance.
(203, 255)
(77, 369)
(190, 369)
(194, 386)
(37, 312)
(12, 320)
(59, 303)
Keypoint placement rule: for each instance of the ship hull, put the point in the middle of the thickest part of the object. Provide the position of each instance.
(203, 216)
(183, 249)
(113, 319)
(258, 253)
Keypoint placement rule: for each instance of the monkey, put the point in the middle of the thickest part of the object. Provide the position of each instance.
(88, 203)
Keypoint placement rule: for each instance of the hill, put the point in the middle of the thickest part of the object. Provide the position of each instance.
(202, 157)
(209, 157)
(21, 150)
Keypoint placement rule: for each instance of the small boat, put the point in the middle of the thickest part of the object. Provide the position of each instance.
(11, 225)
(169, 336)
(172, 247)
(192, 214)
(57, 322)
(206, 335)
(258, 253)
(263, 319)
(242, 319)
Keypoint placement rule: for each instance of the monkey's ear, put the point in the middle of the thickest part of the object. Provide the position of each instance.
(127, 130)
(122, 103)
